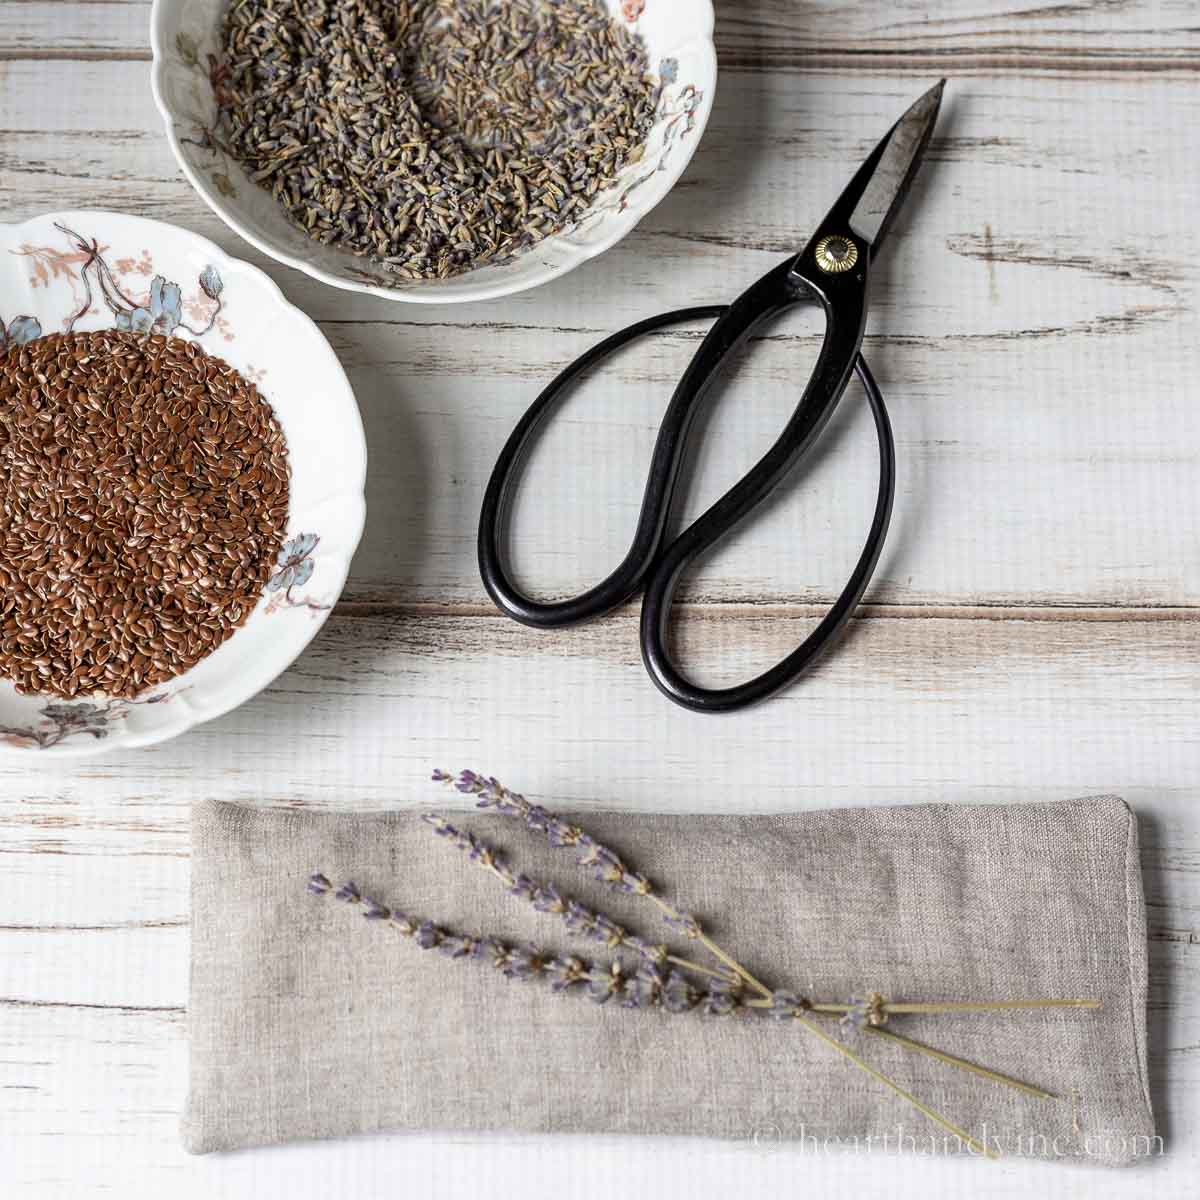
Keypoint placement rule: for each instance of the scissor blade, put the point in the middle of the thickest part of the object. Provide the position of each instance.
(896, 159)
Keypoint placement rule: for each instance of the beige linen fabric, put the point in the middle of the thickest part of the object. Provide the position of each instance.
(307, 1021)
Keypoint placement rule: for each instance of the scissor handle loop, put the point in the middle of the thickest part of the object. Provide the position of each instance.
(660, 591)
(629, 576)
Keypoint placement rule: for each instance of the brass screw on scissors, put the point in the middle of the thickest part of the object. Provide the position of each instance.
(835, 254)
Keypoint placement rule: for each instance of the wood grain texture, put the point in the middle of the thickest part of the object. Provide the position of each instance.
(1022, 309)
(988, 36)
(1033, 632)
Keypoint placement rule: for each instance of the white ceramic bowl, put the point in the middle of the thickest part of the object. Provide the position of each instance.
(679, 38)
(96, 270)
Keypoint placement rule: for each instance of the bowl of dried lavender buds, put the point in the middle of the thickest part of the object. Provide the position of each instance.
(433, 151)
(181, 482)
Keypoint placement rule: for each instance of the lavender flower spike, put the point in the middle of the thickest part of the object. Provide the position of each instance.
(649, 988)
(546, 897)
(468, 843)
(606, 865)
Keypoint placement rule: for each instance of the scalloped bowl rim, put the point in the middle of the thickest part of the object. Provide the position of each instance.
(187, 714)
(573, 254)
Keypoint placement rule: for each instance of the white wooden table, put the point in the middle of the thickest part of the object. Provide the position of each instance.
(1032, 633)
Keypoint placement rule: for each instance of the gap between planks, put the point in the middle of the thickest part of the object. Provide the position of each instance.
(833, 59)
(733, 610)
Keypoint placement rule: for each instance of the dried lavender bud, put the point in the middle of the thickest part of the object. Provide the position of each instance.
(579, 919)
(786, 1005)
(456, 945)
(525, 962)
(864, 1011)
(433, 136)
(604, 985)
(491, 793)
(524, 889)
(685, 923)
(607, 931)
(679, 996)
(561, 833)
(653, 953)
(565, 972)
(648, 988)
(548, 899)
(722, 998)
(645, 989)
(494, 952)
(405, 924)
(428, 935)
(474, 849)
(635, 884)
(604, 864)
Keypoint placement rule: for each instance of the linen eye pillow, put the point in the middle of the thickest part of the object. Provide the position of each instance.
(307, 1021)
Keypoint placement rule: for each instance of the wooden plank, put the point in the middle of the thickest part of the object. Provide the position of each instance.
(1012, 349)
(910, 708)
(778, 34)
(74, 29)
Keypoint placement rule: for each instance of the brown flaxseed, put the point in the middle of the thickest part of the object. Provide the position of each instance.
(143, 501)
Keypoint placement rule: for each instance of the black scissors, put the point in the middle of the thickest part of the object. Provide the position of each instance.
(833, 269)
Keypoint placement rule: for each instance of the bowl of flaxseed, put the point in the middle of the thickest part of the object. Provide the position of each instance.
(181, 482)
(433, 151)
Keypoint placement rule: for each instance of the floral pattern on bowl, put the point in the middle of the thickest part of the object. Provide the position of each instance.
(92, 270)
(82, 265)
(187, 76)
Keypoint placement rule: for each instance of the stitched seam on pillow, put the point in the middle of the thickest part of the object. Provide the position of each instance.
(1139, 1043)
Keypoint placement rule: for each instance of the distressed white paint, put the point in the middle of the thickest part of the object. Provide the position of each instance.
(1035, 630)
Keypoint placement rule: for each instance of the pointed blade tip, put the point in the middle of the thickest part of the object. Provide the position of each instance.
(902, 150)
(931, 100)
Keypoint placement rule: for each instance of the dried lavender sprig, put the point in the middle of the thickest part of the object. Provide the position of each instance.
(605, 864)
(608, 867)
(649, 986)
(546, 898)
(493, 794)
